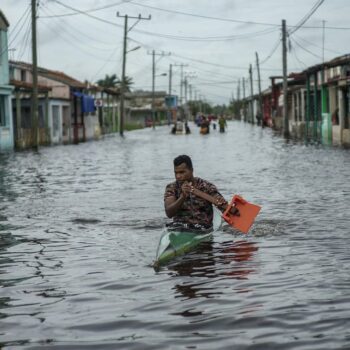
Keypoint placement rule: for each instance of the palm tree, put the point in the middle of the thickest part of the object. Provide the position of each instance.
(113, 81)
(109, 81)
(128, 83)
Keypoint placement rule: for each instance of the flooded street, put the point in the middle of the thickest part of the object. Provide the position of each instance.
(80, 225)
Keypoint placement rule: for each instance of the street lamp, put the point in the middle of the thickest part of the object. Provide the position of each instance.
(134, 49)
(153, 88)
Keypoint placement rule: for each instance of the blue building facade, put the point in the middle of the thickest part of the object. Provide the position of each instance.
(6, 121)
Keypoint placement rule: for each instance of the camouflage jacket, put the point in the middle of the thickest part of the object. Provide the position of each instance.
(194, 210)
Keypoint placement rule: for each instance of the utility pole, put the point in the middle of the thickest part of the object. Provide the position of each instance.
(251, 94)
(35, 113)
(181, 65)
(154, 54)
(244, 102)
(285, 86)
(239, 89)
(323, 38)
(122, 92)
(260, 95)
(170, 77)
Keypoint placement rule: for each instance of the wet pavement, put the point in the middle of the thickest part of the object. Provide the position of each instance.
(80, 224)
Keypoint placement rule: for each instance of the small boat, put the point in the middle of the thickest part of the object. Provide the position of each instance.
(179, 240)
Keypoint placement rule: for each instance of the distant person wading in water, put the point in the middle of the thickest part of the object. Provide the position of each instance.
(222, 123)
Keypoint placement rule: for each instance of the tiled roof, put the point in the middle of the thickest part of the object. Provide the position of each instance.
(51, 74)
(28, 86)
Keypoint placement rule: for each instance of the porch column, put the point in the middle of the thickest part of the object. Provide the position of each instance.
(315, 106)
(18, 119)
(47, 129)
(308, 108)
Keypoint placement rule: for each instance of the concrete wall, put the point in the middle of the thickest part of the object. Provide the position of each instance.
(59, 90)
(4, 68)
(6, 129)
(92, 127)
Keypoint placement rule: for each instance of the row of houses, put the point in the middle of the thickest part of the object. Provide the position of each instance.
(318, 103)
(70, 111)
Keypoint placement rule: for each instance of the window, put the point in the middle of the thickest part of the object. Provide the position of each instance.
(2, 111)
(12, 73)
(23, 75)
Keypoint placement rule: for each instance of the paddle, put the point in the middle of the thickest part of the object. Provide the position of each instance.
(247, 211)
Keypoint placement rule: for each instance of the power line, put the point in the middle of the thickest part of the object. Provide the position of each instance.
(25, 42)
(87, 11)
(307, 16)
(72, 32)
(303, 48)
(26, 20)
(231, 20)
(274, 49)
(218, 65)
(313, 44)
(176, 37)
(131, 2)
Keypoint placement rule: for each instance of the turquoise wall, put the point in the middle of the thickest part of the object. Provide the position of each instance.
(4, 65)
(6, 131)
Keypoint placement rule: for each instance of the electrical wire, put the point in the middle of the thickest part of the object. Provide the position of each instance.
(67, 39)
(66, 24)
(24, 42)
(26, 15)
(313, 44)
(303, 48)
(218, 65)
(306, 17)
(176, 37)
(88, 11)
(274, 49)
(94, 76)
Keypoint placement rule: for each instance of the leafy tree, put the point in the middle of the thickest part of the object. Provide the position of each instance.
(109, 81)
(112, 81)
(128, 83)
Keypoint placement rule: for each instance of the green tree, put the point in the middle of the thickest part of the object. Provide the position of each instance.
(109, 81)
(112, 81)
(128, 83)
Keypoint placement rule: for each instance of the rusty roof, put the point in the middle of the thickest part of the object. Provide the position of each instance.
(51, 74)
(28, 86)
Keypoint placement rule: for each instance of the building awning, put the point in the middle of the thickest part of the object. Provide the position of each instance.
(87, 102)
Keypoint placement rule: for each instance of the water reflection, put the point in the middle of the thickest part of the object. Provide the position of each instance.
(80, 226)
(226, 260)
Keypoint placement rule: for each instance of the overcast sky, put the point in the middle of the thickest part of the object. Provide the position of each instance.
(217, 40)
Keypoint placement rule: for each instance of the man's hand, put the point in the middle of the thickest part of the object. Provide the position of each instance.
(222, 204)
(235, 211)
(186, 188)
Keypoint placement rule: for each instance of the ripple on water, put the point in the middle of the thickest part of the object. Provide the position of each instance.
(79, 226)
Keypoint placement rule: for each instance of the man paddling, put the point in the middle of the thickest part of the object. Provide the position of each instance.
(188, 200)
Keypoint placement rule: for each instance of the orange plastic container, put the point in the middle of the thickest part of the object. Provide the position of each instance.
(248, 213)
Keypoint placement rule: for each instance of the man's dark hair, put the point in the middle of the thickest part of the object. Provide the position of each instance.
(183, 159)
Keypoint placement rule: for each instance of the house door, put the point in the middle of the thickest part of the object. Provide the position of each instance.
(65, 123)
(55, 123)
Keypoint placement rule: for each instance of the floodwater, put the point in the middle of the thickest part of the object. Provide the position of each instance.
(80, 224)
